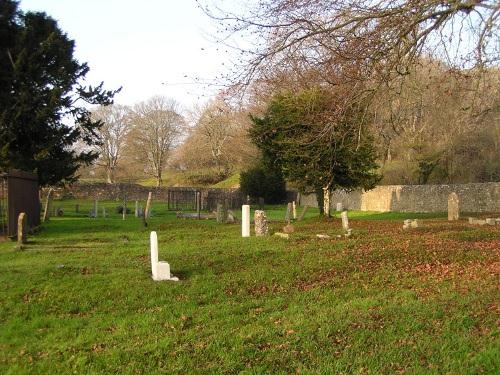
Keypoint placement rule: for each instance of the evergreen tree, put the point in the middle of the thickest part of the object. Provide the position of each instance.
(42, 98)
(291, 136)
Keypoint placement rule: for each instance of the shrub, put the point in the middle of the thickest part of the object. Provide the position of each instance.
(265, 183)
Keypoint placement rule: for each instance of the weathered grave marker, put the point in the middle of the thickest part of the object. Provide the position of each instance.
(260, 223)
(345, 220)
(303, 213)
(490, 221)
(22, 228)
(294, 210)
(245, 220)
(221, 213)
(95, 212)
(453, 207)
(159, 270)
(136, 210)
(339, 207)
(148, 206)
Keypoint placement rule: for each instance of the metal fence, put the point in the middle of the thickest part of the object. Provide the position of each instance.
(184, 199)
(18, 193)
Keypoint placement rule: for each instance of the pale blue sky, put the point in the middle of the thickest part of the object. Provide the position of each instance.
(139, 45)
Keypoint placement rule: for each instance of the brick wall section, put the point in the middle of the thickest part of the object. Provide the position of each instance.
(480, 197)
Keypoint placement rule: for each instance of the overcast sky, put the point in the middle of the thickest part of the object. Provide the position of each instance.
(149, 47)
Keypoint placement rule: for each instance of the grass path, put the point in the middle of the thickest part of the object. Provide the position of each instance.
(79, 298)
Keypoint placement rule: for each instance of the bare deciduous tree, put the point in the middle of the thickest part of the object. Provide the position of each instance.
(157, 127)
(112, 136)
(360, 39)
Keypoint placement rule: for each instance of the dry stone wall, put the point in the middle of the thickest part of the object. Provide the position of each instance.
(103, 191)
(480, 197)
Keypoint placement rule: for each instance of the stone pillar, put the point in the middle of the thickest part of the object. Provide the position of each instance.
(294, 210)
(260, 223)
(22, 229)
(124, 209)
(245, 220)
(136, 211)
(453, 207)
(95, 213)
(345, 220)
(148, 206)
(198, 204)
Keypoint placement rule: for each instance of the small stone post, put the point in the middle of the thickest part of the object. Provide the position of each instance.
(245, 220)
(198, 204)
(46, 212)
(345, 220)
(260, 223)
(136, 211)
(124, 209)
(22, 229)
(96, 213)
(148, 206)
(453, 207)
(294, 210)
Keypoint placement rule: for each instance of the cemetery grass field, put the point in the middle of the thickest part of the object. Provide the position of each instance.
(79, 297)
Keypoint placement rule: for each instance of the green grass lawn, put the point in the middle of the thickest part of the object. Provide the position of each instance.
(79, 298)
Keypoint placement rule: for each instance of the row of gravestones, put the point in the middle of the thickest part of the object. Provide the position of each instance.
(261, 225)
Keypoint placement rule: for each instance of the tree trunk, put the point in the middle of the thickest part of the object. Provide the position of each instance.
(158, 180)
(320, 200)
(326, 201)
(109, 175)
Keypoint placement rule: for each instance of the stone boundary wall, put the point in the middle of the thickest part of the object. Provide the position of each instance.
(104, 191)
(478, 197)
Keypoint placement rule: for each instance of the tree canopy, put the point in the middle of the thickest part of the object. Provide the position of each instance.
(42, 98)
(292, 136)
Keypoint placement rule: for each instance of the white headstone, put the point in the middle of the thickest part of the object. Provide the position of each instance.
(245, 220)
(345, 220)
(340, 207)
(160, 270)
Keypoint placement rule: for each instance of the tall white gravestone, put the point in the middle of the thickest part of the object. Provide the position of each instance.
(160, 270)
(245, 220)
